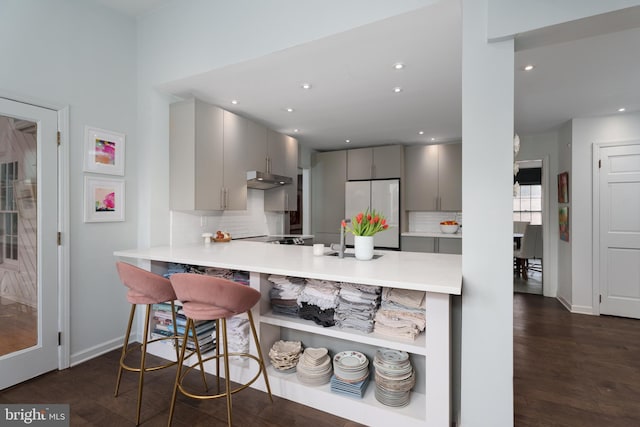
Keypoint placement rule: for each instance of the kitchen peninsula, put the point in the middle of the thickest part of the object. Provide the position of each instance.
(439, 275)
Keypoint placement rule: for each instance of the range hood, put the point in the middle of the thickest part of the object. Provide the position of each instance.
(265, 181)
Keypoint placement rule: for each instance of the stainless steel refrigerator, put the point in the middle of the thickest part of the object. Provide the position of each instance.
(383, 195)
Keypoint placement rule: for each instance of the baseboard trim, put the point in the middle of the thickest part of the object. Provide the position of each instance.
(582, 309)
(577, 309)
(98, 350)
(564, 302)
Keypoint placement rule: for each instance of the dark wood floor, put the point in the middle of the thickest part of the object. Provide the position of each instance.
(569, 370)
(572, 369)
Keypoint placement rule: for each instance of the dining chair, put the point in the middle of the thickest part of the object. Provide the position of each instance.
(530, 248)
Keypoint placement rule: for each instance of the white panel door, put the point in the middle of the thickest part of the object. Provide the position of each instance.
(357, 198)
(28, 242)
(385, 198)
(620, 230)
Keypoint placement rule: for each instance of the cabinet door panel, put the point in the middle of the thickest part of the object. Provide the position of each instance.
(283, 155)
(359, 163)
(256, 146)
(418, 244)
(234, 159)
(421, 177)
(450, 245)
(387, 161)
(328, 175)
(450, 177)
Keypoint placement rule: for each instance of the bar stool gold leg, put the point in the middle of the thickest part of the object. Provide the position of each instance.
(262, 365)
(124, 348)
(218, 353)
(178, 373)
(195, 340)
(142, 361)
(176, 342)
(227, 381)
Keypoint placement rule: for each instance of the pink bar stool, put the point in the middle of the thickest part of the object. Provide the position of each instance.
(213, 298)
(144, 288)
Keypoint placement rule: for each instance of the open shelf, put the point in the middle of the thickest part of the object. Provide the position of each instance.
(363, 410)
(416, 347)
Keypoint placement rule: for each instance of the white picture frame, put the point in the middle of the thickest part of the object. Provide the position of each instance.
(103, 199)
(103, 151)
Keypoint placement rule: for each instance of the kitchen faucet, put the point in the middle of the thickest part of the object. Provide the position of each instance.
(342, 246)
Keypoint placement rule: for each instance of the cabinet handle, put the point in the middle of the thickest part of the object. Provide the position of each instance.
(286, 201)
(221, 198)
(266, 164)
(226, 198)
(373, 171)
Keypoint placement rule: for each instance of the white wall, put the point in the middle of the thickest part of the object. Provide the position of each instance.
(545, 147)
(487, 203)
(586, 132)
(565, 294)
(69, 52)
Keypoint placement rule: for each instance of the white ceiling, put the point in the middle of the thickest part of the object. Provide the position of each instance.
(585, 69)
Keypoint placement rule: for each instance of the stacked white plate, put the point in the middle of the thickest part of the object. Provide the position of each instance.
(314, 366)
(394, 377)
(284, 355)
(350, 366)
(351, 373)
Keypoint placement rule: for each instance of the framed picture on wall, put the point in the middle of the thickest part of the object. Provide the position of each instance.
(563, 220)
(563, 187)
(103, 151)
(103, 199)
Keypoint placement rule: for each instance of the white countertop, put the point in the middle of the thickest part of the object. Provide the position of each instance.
(457, 235)
(441, 273)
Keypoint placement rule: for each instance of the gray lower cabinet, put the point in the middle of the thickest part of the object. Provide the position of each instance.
(418, 244)
(449, 246)
(442, 245)
(199, 148)
(328, 175)
(433, 177)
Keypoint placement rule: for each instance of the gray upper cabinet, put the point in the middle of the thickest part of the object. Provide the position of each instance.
(199, 150)
(233, 167)
(328, 175)
(433, 177)
(257, 146)
(381, 162)
(282, 159)
(421, 177)
(450, 177)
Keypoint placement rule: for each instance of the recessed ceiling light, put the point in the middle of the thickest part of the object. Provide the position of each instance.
(421, 132)
(397, 89)
(622, 110)
(347, 140)
(234, 101)
(289, 110)
(296, 130)
(433, 139)
(528, 67)
(305, 85)
(398, 65)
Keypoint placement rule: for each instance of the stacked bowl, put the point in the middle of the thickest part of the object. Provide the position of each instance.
(394, 377)
(314, 366)
(284, 355)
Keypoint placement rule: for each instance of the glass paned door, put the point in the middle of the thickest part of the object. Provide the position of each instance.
(28, 244)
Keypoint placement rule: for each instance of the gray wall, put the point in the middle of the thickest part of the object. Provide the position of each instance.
(71, 53)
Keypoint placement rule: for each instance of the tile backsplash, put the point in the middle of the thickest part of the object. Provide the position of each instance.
(429, 222)
(187, 227)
